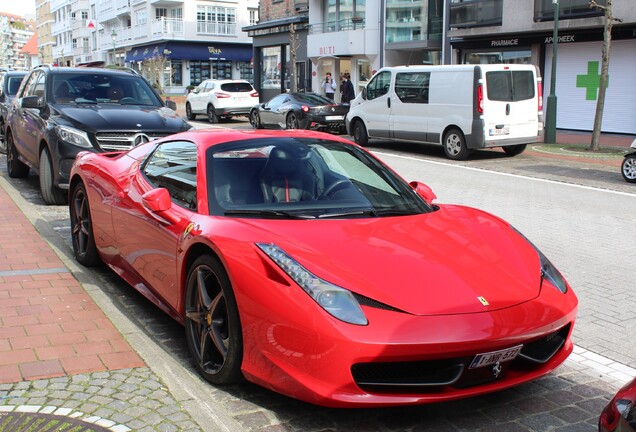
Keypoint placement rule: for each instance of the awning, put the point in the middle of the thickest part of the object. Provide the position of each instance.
(192, 51)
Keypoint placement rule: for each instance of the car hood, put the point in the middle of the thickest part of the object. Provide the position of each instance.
(437, 263)
(105, 117)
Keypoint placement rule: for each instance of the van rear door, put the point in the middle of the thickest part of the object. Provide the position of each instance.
(511, 103)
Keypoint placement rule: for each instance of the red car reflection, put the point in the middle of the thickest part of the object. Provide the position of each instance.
(620, 414)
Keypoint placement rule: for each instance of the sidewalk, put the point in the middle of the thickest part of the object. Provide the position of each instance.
(59, 352)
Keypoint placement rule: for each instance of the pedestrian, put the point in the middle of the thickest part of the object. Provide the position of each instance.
(329, 86)
(348, 93)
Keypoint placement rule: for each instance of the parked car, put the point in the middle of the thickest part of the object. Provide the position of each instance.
(300, 111)
(628, 167)
(271, 84)
(221, 99)
(460, 107)
(299, 261)
(620, 413)
(10, 81)
(61, 111)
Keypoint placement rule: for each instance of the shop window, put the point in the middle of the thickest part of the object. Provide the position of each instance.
(199, 71)
(221, 69)
(246, 71)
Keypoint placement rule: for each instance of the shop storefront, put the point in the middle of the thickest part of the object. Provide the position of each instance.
(188, 64)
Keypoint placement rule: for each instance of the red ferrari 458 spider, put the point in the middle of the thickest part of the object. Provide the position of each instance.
(299, 261)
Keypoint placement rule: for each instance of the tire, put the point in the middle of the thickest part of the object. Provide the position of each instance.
(455, 145)
(189, 114)
(255, 120)
(514, 150)
(51, 193)
(359, 131)
(212, 324)
(3, 141)
(212, 117)
(15, 167)
(628, 168)
(82, 235)
(291, 122)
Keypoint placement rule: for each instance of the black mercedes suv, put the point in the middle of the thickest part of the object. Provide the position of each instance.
(60, 111)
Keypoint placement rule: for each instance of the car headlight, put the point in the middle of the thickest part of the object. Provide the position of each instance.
(548, 270)
(337, 301)
(73, 136)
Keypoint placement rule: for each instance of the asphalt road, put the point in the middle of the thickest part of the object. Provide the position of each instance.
(577, 213)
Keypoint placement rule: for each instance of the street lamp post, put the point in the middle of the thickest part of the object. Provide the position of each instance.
(551, 110)
(113, 35)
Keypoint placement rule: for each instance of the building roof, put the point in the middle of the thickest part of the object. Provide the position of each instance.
(31, 47)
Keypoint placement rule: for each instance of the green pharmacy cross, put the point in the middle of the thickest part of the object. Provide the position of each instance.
(590, 82)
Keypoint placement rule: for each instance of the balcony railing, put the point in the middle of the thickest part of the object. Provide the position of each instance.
(544, 9)
(216, 28)
(168, 26)
(336, 26)
(476, 13)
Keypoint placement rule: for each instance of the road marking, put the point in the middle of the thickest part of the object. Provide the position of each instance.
(633, 195)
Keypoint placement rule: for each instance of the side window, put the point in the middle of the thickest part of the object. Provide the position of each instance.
(29, 87)
(379, 85)
(40, 85)
(173, 166)
(412, 87)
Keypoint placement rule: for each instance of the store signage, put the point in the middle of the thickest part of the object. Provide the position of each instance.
(504, 42)
(560, 39)
(328, 50)
(213, 50)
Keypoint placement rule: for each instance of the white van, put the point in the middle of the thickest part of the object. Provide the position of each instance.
(461, 107)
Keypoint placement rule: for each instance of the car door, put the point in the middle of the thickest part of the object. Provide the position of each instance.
(148, 243)
(270, 114)
(196, 98)
(377, 107)
(28, 123)
(410, 108)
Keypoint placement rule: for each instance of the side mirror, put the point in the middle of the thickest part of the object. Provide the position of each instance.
(171, 104)
(364, 93)
(196, 90)
(424, 191)
(32, 102)
(158, 202)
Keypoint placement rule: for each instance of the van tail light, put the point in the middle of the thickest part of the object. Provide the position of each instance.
(304, 108)
(222, 95)
(540, 94)
(254, 94)
(480, 99)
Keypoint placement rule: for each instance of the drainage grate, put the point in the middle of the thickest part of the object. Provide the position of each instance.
(35, 422)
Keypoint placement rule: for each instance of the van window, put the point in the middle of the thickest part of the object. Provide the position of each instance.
(510, 86)
(379, 85)
(412, 87)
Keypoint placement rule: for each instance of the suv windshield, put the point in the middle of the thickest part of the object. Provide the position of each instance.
(102, 88)
(237, 87)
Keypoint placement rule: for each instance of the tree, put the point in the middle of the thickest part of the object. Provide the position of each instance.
(294, 44)
(605, 57)
(153, 70)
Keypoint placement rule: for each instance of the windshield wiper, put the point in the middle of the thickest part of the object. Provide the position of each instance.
(371, 213)
(268, 213)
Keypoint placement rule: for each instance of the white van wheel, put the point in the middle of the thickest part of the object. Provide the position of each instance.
(514, 150)
(455, 145)
(360, 133)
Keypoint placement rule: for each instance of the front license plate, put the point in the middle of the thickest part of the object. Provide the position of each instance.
(493, 357)
(502, 131)
(332, 118)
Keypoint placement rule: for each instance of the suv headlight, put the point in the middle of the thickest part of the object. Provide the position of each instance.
(73, 136)
(339, 302)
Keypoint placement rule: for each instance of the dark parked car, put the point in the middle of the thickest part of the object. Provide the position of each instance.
(620, 414)
(300, 111)
(59, 112)
(9, 84)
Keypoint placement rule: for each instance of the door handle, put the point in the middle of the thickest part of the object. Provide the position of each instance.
(508, 109)
(388, 102)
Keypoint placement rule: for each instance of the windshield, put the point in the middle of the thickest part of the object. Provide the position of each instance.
(103, 89)
(304, 178)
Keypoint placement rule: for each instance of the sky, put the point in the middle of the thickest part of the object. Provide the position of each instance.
(18, 7)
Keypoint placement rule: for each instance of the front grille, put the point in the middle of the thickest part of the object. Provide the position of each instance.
(434, 375)
(116, 141)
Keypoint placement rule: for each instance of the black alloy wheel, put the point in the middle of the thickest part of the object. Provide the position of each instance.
(189, 114)
(212, 324)
(15, 167)
(212, 117)
(51, 193)
(82, 235)
(292, 121)
(255, 119)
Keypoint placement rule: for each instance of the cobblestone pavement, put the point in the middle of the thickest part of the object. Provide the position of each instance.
(168, 395)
